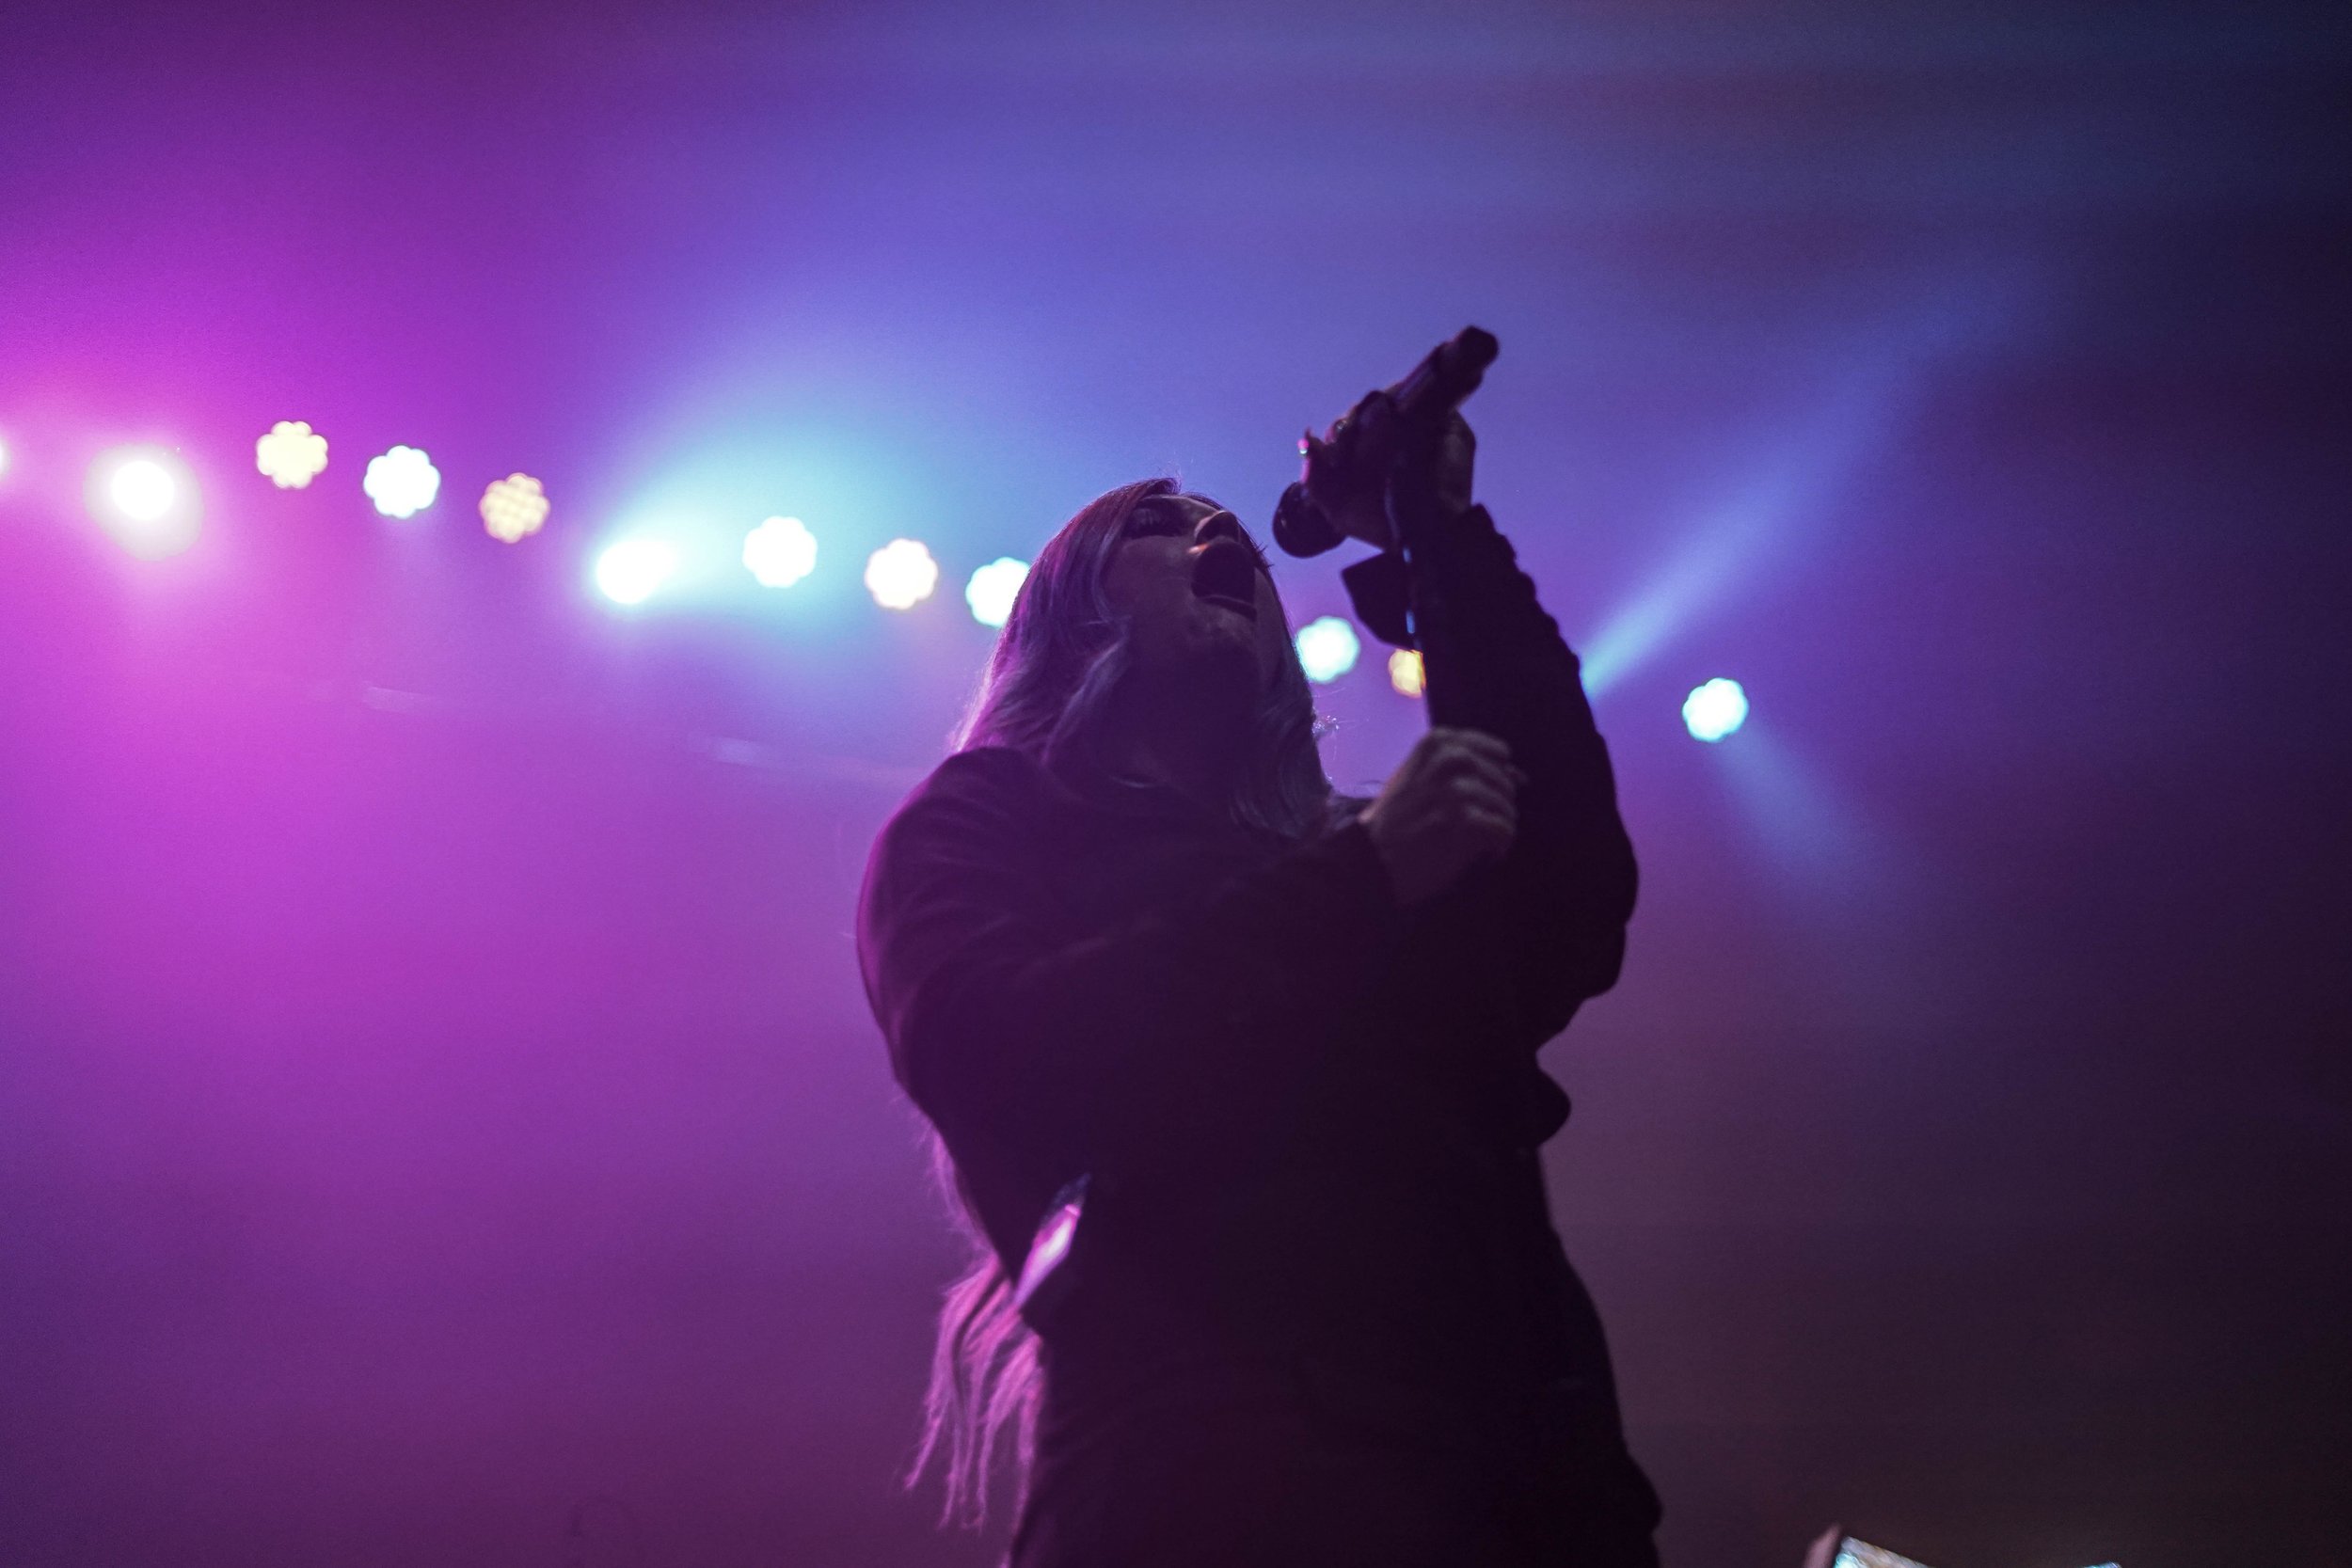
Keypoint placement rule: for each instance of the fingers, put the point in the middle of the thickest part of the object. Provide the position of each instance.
(1451, 736)
(1374, 419)
(1487, 800)
(1452, 803)
(1368, 428)
(1470, 760)
(1495, 837)
(1479, 784)
(1486, 787)
(1377, 428)
(1476, 768)
(1492, 825)
(1452, 748)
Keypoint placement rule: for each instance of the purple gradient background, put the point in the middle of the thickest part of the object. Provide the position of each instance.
(439, 1120)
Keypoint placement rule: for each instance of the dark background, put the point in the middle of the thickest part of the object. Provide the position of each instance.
(439, 1119)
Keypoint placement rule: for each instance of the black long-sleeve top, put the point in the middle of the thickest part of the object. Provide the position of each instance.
(1307, 1117)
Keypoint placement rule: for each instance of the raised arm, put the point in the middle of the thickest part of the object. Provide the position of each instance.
(1494, 660)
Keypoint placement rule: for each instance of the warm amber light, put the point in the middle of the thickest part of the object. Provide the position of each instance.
(514, 507)
(1404, 672)
(292, 455)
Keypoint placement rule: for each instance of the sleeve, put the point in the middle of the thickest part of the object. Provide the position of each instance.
(1557, 906)
(1112, 1045)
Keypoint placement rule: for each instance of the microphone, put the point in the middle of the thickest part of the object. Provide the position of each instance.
(1339, 469)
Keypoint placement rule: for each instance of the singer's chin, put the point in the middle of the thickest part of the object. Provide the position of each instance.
(1222, 662)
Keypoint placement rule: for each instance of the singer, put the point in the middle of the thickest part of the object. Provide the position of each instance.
(1235, 1078)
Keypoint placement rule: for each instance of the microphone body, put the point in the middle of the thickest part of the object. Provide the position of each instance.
(1342, 469)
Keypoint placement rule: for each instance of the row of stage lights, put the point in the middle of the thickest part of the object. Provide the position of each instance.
(147, 499)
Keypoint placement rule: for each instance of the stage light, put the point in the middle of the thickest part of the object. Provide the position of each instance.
(1405, 672)
(780, 552)
(901, 575)
(4, 457)
(1327, 648)
(142, 489)
(513, 508)
(146, 498)
(1860, 1554)
(1836, 1550)
(402, 482)
(629, 571)
(993, 588)
(1715, 709)
(291, 455)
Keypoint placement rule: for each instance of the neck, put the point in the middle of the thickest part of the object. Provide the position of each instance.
(1196, 747)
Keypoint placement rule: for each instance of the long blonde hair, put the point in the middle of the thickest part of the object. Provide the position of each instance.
(1056, 666)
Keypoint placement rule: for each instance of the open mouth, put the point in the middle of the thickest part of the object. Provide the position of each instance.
(1226, 573)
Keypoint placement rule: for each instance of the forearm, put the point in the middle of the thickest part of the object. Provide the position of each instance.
(1494, 659)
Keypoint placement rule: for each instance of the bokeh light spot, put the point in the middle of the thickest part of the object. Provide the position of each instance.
(1715, 709)
(291, 455)
(1327, 647)
(1404, 672)
(993, 588)
(630, 571)
(146, 498)
(780, 552)
(513, 508)
(402, 482)
(142, 489)
(901, 575)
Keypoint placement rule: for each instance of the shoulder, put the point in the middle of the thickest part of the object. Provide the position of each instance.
(985, 775)
(987, 792)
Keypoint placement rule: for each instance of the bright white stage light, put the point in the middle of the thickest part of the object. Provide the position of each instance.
(292, 455)
(1716, 709)
(146, 498)
(1327, 648)
(4, 457)
(780, 552)
(1405, 672)
(901, 575)
(142, 489)
(513, 508)
(1861, 1554)
(993, 588)
(402, 482)
(629, 571)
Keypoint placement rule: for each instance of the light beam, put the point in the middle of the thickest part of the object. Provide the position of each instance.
(630, 571)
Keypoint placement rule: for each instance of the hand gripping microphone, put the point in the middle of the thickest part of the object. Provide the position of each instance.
(1338, 467)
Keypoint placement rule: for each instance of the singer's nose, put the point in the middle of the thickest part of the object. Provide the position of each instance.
(1219, 524)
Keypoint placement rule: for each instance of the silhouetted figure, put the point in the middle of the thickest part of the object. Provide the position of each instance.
(1237, 1076)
